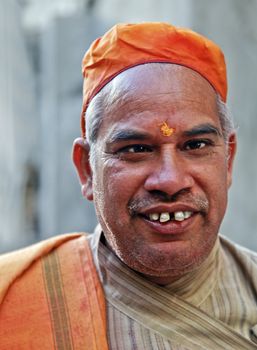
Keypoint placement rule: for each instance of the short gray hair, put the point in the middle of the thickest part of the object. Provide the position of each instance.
(225, 117)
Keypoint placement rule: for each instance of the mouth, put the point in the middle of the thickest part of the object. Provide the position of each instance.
(165, 217)
(170, 222)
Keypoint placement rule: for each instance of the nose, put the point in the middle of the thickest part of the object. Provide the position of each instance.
(170, 174)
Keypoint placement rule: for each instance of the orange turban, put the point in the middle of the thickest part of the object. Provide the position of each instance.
(128, 45)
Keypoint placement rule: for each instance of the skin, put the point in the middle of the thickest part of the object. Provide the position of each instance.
(139, 171)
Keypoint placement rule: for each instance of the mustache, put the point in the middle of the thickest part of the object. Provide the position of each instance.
(198, 202)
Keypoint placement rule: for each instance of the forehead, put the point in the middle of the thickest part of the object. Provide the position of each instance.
(152, 92)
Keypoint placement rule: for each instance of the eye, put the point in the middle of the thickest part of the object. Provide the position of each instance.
(197, 144)
(135, 149)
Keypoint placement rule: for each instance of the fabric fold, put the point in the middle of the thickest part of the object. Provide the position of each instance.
(155, 308)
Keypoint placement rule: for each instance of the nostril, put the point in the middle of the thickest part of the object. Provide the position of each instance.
(157, 194)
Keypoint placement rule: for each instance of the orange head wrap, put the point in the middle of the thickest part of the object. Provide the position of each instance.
(128, 45)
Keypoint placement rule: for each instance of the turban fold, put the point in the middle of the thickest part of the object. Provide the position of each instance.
(128, 45)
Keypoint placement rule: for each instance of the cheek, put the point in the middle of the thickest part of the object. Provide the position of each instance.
(213, 173)
(216, 187)
(122, 180)
(212, 179)
(114, 185)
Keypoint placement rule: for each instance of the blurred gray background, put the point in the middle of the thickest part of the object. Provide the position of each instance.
(41, 47)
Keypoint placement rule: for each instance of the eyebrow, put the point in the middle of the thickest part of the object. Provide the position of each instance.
(203, 129)
(127, 135)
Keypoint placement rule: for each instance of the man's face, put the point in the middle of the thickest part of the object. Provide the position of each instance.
(161, 199)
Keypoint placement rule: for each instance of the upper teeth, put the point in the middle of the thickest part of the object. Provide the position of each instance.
(154, 216)
(164, 217)
(179, 216)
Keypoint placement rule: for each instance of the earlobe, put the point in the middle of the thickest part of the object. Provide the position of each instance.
(232, 145)
(80, 155)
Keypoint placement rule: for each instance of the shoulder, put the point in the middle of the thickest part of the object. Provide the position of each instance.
(241, 260)
(14, 264)
(237, 250)
(37, 250)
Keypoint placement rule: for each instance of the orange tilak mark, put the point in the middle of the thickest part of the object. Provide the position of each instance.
(166, 130)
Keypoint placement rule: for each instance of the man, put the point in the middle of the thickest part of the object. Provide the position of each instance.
(156, 157)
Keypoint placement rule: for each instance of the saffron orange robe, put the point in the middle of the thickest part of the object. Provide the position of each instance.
(51, 297)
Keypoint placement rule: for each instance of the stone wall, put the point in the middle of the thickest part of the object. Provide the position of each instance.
(18, 132)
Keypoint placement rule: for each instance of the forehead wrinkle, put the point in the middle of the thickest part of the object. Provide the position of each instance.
(129, 97)
(134, 105)
(132, 99)
(131, 103)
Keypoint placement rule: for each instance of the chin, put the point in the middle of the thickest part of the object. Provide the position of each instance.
(169, 262)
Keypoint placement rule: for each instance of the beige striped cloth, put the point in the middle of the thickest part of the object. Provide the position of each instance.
(215, 307)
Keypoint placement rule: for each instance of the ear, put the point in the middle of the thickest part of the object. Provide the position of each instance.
(231, 152)
(80, 155)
